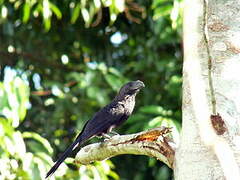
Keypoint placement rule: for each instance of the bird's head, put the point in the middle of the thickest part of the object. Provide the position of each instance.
(131, 88)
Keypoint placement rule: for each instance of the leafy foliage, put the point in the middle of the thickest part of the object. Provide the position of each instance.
(27, 154)
(63, 60)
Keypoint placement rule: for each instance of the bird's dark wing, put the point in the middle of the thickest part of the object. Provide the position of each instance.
(107, 117)
(110, 115)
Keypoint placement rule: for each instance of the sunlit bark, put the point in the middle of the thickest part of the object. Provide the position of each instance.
(210, 140)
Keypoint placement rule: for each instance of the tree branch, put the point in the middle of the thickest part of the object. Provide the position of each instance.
(9, 59)
(153, 143)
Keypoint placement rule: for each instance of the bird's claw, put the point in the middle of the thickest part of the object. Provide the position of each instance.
(113, 133)
(109, 135)
(106, 136)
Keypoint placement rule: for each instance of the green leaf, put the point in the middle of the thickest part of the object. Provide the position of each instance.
(7, 128)
(113, 14)
(19, 144)
(38, 167)
(119, 5)
(46, 15)
(114, 81)
(157, 110)
(1, 2)
(12, 112)
(97, 94)
(35, 146)
(136, 122)
(9, 145)
(86, 16)
(47, 24)
(22, 93)
(39, 139)
(46, 9)
(97, 3)
(96, 174)
(26, 11)
(56, 10)
(92, 11)
(45, 158)
(3, 98)
(115, 72)
(75, 13)
(107, 3)
(27, 161)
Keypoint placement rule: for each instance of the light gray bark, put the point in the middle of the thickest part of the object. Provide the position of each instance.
(209, 147)
(153, 143)
(211, 86)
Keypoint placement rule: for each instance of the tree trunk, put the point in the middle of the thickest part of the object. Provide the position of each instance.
(210, 140)
(209, 148)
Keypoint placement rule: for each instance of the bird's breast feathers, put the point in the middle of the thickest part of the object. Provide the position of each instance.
(128, 104)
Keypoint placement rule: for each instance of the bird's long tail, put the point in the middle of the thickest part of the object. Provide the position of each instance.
(66, 153)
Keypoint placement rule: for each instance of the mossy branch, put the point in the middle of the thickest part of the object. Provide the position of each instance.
(153, 143)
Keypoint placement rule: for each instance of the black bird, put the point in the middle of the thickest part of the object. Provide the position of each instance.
(109, 117)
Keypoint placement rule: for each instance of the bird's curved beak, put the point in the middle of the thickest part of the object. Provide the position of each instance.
(139, 84)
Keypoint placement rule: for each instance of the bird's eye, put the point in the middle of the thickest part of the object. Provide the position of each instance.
(131, 84)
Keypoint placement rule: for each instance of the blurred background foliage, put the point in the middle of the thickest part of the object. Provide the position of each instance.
(61, 61)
